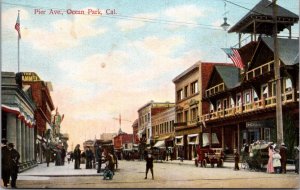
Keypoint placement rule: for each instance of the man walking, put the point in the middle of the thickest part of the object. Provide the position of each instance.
(149, 164)
(89, 157)
(98, 155)
(14, 164)
(5, 168)
(77, 154)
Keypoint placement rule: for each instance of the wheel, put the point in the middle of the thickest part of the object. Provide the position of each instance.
(204, 163)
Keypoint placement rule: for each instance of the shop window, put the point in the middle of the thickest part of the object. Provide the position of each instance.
(267, 135)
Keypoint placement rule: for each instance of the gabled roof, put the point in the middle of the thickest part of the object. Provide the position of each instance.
(229, 75)
(263, 11)
(288, 49)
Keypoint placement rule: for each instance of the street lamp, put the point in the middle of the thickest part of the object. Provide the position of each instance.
(225, 25)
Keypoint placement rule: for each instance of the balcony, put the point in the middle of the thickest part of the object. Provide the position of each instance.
(263, 103)
(265, 68)
(215, 89)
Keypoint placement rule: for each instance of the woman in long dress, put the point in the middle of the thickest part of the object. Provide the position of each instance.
(270, 168)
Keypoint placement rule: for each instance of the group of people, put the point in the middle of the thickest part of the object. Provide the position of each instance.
(277, 159)
(10, 163)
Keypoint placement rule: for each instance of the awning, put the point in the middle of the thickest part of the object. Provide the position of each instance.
(160, 138)
(160, 144)
(179, 140)
(193, 139)
(27, 118)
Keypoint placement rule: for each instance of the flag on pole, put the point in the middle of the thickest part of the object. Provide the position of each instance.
(17, 26)
(234, 55)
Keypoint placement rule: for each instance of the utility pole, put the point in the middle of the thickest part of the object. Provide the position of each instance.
(279, 122)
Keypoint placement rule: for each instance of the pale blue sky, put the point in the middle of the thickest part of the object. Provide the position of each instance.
(101, 66)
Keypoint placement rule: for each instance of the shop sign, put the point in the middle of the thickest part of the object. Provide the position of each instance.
(30, 77)
(260, 124)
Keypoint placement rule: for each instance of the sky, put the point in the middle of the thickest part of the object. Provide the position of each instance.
(103, 65)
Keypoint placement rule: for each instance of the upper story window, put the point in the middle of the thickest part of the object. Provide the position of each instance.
(231, 102)
(219, 105)
(194, 87)
(211, 107)
(225, 103)
(194, 114)
(264, 91)
(288, 85)
(247, 96)
(179, 95)
(186, 91)
(255, 97)
(179, 117)
(238, 99)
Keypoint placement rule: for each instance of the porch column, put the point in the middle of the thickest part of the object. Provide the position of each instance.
(23, 152)
(27, 143)
(19, 138)
(238, 138)
(32, 143)
(223, 145)
(11, 128)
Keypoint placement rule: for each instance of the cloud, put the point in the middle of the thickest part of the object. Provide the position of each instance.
(138, 21)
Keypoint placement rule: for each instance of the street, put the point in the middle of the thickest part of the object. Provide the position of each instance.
(175, 174)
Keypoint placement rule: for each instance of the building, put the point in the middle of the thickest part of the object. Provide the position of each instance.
(135, 129)
(107, 136)
(189, 90)
(163, 128)
(18, 118)
(40, 92)
(243, 102)
(146, 113)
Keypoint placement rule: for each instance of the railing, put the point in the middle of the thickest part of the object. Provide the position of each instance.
(215, 89)
(260, 70)
(287, 97)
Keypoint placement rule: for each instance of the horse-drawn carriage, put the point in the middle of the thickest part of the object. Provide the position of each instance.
(210, 156)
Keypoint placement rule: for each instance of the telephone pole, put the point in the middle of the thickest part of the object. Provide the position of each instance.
(279, 122)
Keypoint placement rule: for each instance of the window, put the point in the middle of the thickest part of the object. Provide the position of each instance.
(288, 85)
(179, 95)
(194, 113)
(219, 106)
(149, 117)
(225, 104)
(211, 107)
(186, 116)
(264, 91)
(267, 134)
(231, 102)
(247, 97)
(186, 91)
(179, 117)
(255, 97)
(238, 99)
(194, 87)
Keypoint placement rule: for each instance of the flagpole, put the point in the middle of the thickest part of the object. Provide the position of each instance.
(18, 46)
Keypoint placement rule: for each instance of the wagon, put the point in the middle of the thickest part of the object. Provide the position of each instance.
(209, 156)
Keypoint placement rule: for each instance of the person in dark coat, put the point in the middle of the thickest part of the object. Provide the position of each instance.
(109, 159)
(236, 160)
(5, 167)
(149, 164)
(283, 150)
(63, 155)
(48, 155)
(98, 155)
(58, 161)
(14, 164)
(76, 154)
(89, 157)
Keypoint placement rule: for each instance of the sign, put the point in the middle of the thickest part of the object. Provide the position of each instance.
(260, 124)
(30, 77)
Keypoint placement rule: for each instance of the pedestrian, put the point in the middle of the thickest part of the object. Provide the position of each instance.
(5, 158)
(63, 155)
(297, 159)
(14, 164)
(276, 161)
(236, 160)
(283, 150)
(98, 156)
(48, 155)
(109, 160)
(89, 157)
(77, 154)
(270, 168)
(58, 158)
(149, 164)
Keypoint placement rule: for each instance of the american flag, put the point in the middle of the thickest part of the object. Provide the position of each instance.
(17, 26)
(234, 55)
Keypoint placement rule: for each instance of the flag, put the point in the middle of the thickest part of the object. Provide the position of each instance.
(234, 55)
(17, 26)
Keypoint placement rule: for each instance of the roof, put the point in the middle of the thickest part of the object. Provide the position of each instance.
(288, 49)
(184, 73)
(264, 11)
(229, 74)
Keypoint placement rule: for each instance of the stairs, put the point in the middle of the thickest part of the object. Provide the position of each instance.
(229, 158)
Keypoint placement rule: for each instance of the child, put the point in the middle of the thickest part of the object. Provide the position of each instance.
(276, 161)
